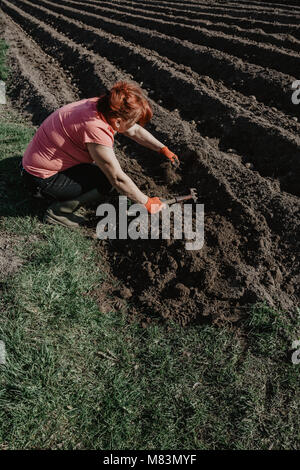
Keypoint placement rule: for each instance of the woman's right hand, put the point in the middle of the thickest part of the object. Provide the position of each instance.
(154, 204)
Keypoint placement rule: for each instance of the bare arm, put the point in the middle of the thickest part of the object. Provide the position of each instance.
(143, 137)
(105, 158)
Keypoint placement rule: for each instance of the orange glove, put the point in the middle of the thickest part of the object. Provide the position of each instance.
(170, 155)
(154, 204)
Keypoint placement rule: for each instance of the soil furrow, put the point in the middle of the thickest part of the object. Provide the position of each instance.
(242, 131)
(285, 41)
(263, 6)
(23, 52)
(234, 4)
(274, 4)
(163, 45)
(265, 55)
(277, 28)
(135, 4)
(187, 10)
(250, 226)
(269, 16)
(272, 88)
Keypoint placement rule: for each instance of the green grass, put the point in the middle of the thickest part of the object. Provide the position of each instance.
(77, 378)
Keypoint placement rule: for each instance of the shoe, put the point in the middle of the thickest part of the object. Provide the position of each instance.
(62, 212)
(55, 216)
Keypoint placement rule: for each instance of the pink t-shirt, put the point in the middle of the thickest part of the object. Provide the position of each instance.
(59, 143)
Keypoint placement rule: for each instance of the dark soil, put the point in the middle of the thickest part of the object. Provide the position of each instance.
(222, 98)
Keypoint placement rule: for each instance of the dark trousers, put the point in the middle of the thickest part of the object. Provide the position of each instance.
(70, 183)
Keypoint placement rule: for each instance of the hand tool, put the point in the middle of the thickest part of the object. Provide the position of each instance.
(193, 195)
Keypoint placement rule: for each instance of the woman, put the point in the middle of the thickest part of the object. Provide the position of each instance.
(60, 160)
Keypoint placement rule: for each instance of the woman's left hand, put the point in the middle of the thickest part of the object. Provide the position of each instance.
(171, 156)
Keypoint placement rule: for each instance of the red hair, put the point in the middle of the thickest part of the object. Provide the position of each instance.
(126, 101)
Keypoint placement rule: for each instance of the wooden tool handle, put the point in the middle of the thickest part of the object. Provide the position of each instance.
(177, 199)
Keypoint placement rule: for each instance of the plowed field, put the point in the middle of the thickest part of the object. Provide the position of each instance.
(219, 76)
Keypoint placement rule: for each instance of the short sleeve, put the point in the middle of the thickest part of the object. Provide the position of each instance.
(97, 135)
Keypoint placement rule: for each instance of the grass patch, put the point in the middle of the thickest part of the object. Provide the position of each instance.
(76, 378)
